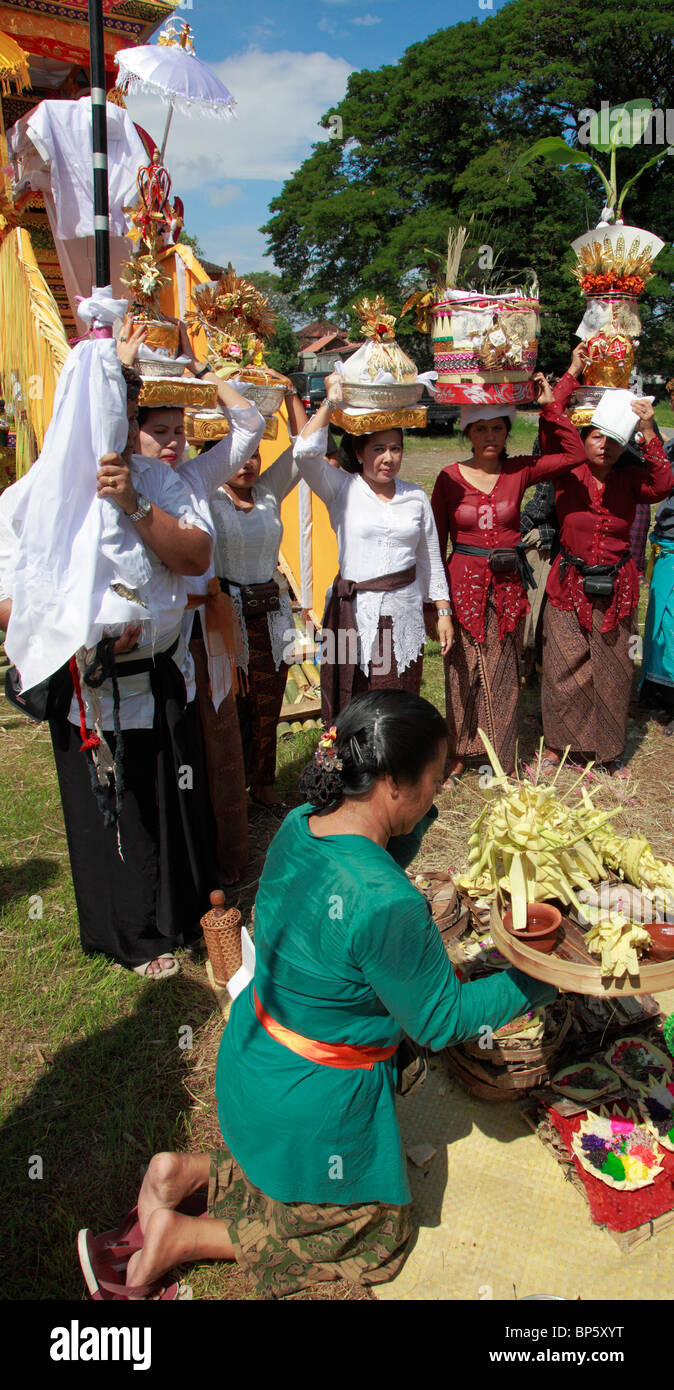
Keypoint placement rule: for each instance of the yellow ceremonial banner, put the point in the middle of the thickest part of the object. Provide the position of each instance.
(33, 345)
(176, 299)
(309, 545)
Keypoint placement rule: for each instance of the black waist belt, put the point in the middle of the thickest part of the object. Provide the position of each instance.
(503, 561)
(591, 571)
(143, 664)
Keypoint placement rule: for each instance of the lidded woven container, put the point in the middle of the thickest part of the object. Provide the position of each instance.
(222, 933)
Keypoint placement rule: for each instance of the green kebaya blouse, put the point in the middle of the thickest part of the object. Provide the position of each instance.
(346, 952)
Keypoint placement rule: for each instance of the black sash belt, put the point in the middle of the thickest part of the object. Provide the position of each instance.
(503, 561)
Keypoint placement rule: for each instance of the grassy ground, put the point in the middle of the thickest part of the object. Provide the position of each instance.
(97, 1076)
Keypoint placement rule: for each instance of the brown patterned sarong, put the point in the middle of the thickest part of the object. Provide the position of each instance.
(338, 659)
(482, 681)
(260, 708)
(587, 682)
(225, 768)
(285, 1246)
(383, 673)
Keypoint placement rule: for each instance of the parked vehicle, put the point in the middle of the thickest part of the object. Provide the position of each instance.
(437, 415)
(311, 387)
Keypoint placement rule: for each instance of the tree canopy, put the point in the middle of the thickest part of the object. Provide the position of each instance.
(435, 137)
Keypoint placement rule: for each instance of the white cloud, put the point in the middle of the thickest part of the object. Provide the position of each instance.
(243, 246)
(326, 26)
(221, 195)
(367, 19)
(280, 99)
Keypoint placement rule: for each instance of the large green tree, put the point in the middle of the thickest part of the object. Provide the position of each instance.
(436, 136)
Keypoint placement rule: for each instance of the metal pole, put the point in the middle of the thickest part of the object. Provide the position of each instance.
(166, 132)
(100, 143)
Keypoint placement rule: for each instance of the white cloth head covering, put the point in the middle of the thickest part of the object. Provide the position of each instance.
(614, 415)
(471, 413)
(100, 309)
(70, 545)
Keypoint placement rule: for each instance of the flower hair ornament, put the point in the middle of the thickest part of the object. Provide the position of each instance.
(326, 752)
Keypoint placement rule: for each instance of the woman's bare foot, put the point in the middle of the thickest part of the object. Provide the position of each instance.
(172, 1239)
(160, 966)
(455, 770)
(169, 1178)
(617, 768)
(550, 760)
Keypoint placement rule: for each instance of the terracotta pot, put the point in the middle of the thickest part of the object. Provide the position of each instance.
(662, 940)
(542, 930)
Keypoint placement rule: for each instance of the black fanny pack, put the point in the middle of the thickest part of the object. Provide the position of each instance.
(50, 698)
(257, 599)
(502, 560)
(598, 580)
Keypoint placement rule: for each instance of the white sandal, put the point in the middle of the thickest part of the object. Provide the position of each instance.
(147, 974)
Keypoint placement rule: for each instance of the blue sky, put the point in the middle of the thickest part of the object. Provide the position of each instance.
(286, 64)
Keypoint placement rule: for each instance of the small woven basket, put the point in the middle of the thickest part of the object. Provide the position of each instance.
(222, 934)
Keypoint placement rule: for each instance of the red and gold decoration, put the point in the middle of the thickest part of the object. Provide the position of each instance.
(614, 264)
(238, 321)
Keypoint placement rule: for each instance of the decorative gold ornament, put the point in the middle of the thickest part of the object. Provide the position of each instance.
(610, 359)
(205, 429)
(178, 392)
(414, 418)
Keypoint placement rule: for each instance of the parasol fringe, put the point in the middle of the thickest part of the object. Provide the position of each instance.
(131, 85)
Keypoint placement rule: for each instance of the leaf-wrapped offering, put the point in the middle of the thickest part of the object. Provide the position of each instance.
(615, 1148)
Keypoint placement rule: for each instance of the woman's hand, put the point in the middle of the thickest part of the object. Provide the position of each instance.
(544, 394)
(446, 634)
(578, 360)
(129, 341)
(644, 409)
(114, 482)
(333, 388)
(128, 640)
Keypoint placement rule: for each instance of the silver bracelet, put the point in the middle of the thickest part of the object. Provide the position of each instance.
(444, 612)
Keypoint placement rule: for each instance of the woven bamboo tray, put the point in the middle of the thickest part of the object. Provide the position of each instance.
(570, 966)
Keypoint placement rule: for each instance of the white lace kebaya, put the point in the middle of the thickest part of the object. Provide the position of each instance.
(377, 537)
(247, 545)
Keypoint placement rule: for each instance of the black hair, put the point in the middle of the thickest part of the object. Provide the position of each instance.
(587, 429)
(133, 382)
(384, 732)
(146, 410)
(347, 456)
(508, 424)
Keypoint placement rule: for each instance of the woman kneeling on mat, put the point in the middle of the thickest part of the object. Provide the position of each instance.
(310, 1184)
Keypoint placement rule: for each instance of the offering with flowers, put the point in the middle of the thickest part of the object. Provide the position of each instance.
(615, 1148)
(657, 1109)
(587, 1081)
(638, 1062)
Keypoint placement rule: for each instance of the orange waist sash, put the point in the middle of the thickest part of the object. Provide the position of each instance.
(328, 1054)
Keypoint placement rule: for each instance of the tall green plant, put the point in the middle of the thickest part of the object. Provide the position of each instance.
(615, 127)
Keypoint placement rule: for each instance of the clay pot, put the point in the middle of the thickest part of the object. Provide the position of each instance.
(662, 941)
(542, 930)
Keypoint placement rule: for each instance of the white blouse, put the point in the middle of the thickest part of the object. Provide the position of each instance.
(377, 537)
(183, 493)
(247, 546)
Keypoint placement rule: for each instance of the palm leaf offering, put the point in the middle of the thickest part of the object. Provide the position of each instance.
(657, 1109)
(237, 321)
(530, 843)
(615, 1148)
(638, 1062)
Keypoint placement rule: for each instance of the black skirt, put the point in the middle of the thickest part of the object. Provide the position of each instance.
(150, 901)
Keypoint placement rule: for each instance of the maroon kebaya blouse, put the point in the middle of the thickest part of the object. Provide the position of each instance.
(595, 519)
(492, 519)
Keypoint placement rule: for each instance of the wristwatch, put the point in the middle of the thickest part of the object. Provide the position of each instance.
(142, 510)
